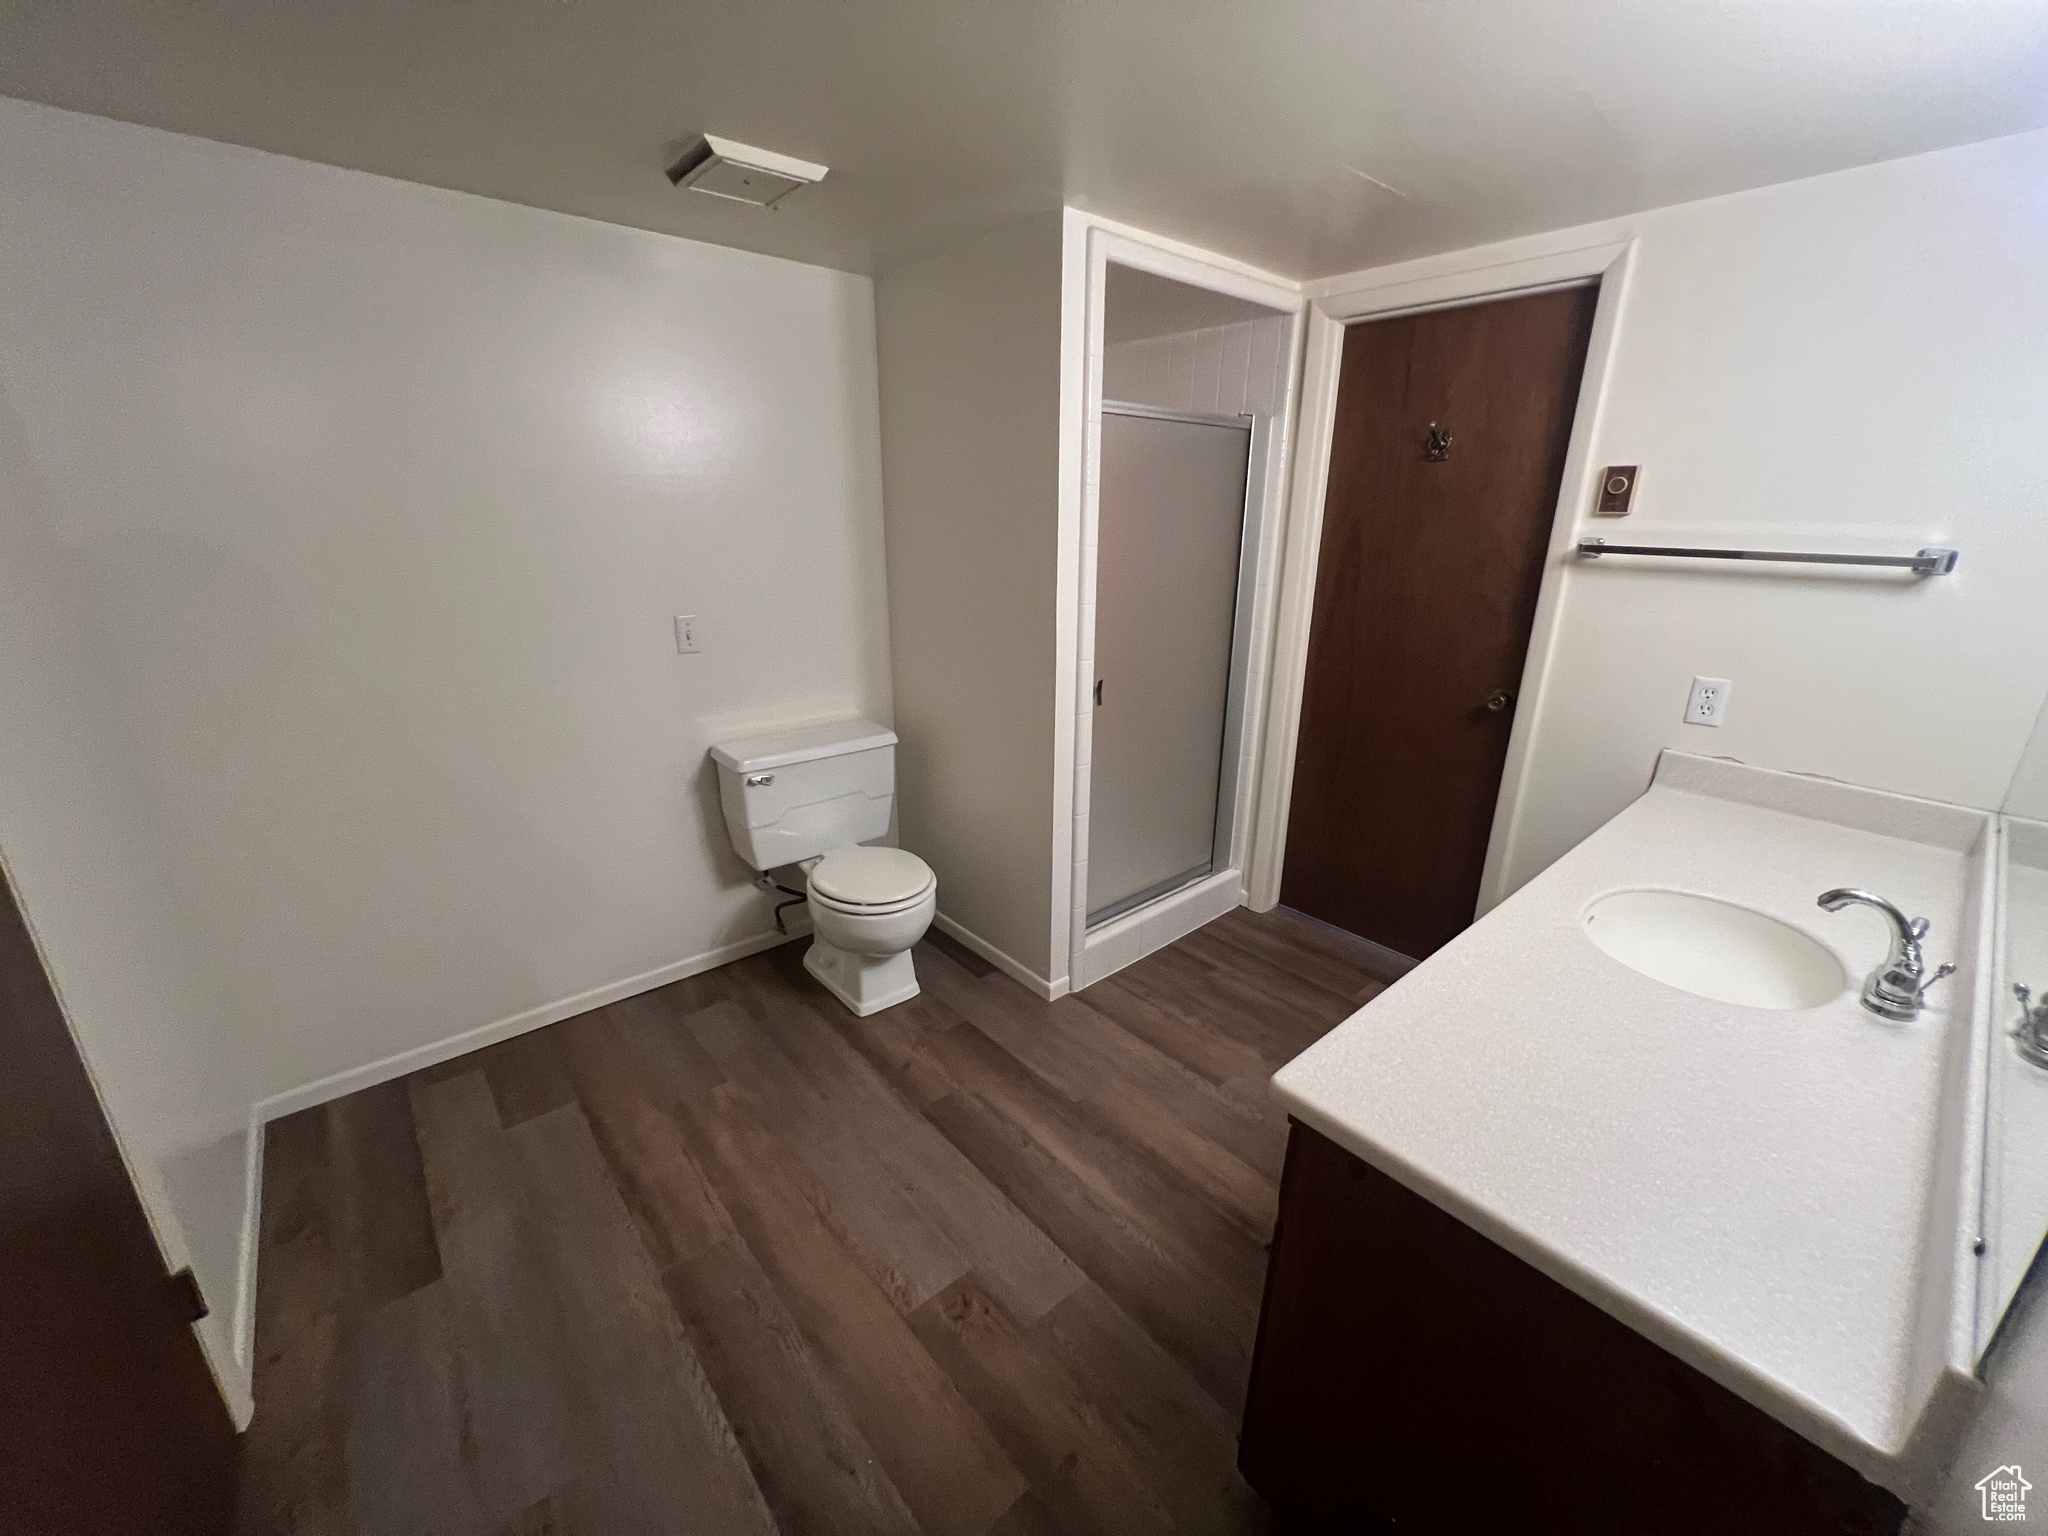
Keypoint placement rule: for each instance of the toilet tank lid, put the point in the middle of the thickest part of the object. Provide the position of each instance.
(801, 744)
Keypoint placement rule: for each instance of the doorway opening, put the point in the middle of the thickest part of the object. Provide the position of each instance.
(1447, 453)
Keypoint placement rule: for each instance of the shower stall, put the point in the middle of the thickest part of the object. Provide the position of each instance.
(1188, 414)
(1171, 584)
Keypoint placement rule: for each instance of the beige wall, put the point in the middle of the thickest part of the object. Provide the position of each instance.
(969, 347)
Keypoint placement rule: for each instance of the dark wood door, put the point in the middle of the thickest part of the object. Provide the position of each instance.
(109, 1417)
(1432, 553)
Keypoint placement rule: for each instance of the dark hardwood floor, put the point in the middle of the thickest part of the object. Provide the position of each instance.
(723, 1257)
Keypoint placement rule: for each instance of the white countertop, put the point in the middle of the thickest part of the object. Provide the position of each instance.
(1775, 1196)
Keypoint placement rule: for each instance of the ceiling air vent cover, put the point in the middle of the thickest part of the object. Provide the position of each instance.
(741, 172)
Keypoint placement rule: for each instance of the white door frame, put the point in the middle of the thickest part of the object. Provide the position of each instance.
(1431, 284)
(1091, 242)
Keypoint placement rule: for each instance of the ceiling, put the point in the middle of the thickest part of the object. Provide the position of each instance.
(1305, 136)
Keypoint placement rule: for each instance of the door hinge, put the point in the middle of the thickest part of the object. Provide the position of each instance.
(185, 1293)
(1098, 693)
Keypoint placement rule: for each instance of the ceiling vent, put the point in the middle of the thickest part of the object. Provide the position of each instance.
(741, 172)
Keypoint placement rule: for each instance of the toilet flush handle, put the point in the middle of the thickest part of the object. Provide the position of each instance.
(760, 780)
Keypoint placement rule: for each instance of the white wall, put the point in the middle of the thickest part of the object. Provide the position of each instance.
(969, 342)
(164, 1046)
(1223, 370)
(1858, 361)
(2027, 794)
(377, 502)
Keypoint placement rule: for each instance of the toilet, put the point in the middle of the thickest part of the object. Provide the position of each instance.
(811, 797)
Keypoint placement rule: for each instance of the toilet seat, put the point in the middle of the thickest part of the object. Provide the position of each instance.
(870, 881)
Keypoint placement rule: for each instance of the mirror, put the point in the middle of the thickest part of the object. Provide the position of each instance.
(2016, 1132)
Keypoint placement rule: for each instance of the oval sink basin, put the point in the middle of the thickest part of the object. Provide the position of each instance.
(1715, 949)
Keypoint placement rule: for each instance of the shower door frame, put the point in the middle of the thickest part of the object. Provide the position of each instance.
(1231, 747)
(1080, 953)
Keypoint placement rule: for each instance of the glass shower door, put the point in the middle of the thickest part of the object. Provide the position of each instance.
(1169, 541)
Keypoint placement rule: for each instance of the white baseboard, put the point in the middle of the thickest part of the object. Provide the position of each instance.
(1128, 939)
(236, 1384)
(1009, 965)
(245, 1255)
(340, 1084)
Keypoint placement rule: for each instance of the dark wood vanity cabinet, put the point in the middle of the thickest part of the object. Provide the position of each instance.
(1412, 1375)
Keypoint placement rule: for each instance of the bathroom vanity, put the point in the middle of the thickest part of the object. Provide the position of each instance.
(1622, 1212)
(1413, 1371)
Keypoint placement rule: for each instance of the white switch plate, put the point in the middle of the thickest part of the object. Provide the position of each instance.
(1707, 704)
(686, 634)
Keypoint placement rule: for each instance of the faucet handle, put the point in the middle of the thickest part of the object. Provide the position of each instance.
(2032, 1030)
(1946, 969)
(2033, 1015)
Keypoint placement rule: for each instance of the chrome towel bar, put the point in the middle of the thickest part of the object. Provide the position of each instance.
(1926, 562)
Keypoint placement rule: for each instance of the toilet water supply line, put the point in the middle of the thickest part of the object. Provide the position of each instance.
(768, 882)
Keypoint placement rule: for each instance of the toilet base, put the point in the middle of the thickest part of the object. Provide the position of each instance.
(865, 983)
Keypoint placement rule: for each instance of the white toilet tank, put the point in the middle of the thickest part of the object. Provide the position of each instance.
(794, 794)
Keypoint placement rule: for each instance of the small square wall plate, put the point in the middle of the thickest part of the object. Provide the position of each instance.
(1617, 490)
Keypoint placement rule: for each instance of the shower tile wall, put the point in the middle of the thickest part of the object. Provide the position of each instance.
(1225, 369)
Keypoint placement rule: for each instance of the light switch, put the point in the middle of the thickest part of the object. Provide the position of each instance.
(686, 634)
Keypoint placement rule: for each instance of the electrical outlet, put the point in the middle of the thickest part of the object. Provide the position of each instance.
(686, 634)
(1707, 704)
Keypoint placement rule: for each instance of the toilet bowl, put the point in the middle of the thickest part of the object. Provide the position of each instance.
(811, 797)
(868, 907)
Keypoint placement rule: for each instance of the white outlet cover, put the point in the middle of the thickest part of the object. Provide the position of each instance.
(1707, 703)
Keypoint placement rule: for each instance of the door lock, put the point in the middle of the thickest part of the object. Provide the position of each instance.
(1498, 700)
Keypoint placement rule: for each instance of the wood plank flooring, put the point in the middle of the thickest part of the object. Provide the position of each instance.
(723, 1257)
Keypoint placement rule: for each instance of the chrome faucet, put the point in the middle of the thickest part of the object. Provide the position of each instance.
(2032, 1029)
(1897, 989)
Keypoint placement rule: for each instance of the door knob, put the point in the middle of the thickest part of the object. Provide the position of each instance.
(1498, 700)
